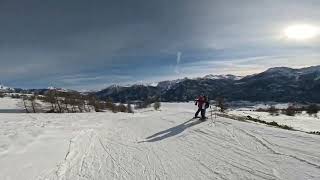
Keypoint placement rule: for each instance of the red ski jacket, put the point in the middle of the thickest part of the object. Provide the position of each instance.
(200, 101)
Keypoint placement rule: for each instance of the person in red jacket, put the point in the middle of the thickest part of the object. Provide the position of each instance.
(200, 101)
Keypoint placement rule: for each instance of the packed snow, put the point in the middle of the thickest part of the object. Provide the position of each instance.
(149, 144)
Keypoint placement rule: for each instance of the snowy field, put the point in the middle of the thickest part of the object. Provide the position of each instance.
(149, 144)
(9, 105)
(303, 121)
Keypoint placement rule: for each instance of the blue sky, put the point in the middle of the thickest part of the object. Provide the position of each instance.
(84, 45)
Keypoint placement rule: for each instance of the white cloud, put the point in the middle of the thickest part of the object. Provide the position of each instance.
(251, 65)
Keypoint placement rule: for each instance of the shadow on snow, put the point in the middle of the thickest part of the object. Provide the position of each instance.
(172, 131)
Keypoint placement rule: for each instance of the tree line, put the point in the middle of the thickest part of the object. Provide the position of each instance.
(54, 101)
(292, 110)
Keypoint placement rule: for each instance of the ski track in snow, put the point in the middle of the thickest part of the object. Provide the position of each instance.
(167, 145)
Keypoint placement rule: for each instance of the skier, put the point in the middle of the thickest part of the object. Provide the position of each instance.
(205, 106)
(200, 102)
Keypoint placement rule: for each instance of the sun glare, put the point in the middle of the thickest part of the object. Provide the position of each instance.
(301, 32)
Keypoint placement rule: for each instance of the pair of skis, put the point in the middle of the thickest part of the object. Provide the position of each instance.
(212, 117)
(200, 118)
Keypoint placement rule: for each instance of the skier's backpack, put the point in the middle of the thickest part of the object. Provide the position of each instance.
(207, 105)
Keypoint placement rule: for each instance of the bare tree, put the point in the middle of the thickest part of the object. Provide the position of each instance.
(220, 103)
(67, 101)
(121, 108)
(85, 100)
(290, 111)
(50, 98)
(73, 103)
(33, 103)
(273, 111)
(313, 109)
(80, 105)
(129, 108)
(110, 105)
(25, 102)
(57, 100)
(94, 103)
(157, 105)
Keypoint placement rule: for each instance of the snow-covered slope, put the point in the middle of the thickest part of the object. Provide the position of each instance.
(149, 144)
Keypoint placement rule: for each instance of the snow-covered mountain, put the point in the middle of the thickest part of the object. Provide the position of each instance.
(280, 84)
(290, 72)
(166, 85)
(60, 89)
(227, 76)
(4, 88)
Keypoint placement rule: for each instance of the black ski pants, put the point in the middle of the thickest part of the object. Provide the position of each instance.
(203, 111)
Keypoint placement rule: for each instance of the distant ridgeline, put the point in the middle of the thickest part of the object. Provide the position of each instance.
(278, 84)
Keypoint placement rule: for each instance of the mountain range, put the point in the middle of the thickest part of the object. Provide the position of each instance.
(279, 84)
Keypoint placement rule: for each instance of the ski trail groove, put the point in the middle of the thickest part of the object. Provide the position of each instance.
(278, 153)
(112, 157)
(192, 150)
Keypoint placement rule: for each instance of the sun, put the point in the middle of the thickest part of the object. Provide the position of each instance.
(301, 32)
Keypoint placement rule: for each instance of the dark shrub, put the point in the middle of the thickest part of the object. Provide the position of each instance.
(261, 110)
(129, 108)
(15, 96)
(221, 104)
(313, 109)
(273, 111)
(315, 132)
(144, 104)
(285, 127)
(273, 123)
(290, 111)
(121, 108)
(156, 105)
